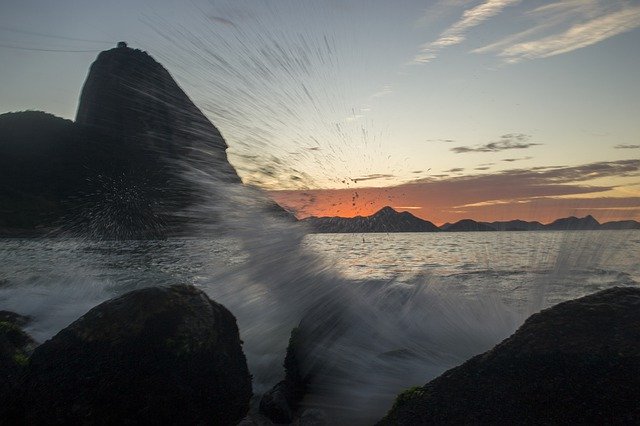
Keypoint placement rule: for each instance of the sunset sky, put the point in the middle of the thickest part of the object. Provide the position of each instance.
(449, 109)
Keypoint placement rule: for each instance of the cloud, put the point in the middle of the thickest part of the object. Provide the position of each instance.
(621, 168)
(621, 146)
(455, 170)
(456, 33)
(353, 118)
(441, 140)
(373, 176)
(509, 194)
(508, 141)
(223, 21)
(387, 89)
(578, 24)
(511, 160)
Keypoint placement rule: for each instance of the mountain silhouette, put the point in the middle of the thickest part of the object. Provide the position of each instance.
(467, 225)
(118, 171)
(384, 220)
(574, 223)
(389, 220)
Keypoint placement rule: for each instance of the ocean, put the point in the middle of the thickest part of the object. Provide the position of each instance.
(441, 297)
(519, 267)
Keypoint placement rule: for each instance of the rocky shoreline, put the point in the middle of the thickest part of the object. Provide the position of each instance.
(153, 356)
(171, 355)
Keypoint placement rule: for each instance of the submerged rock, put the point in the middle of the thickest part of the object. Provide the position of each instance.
(575, 363)
(152, 356)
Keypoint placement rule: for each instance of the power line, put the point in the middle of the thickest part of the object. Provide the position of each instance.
(47, 50)
(14, 30)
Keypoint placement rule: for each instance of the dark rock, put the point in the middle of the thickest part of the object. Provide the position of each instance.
(277, 405)
(153, 356)
(40, 169)
(118, 171)
(574, 224)
(280, 403)
(516, 225)
(385, 220)
(132, 98)
(313, 417)
(621, 224)
(575, 363)
(15, 348)
(15, 345)
(146, 129)
(467, 225)
(308, 366)
(13, 318)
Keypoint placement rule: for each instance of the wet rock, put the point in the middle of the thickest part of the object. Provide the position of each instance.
(15, 348)
(313, 417)
(13, 318)
(15, 345)
(280, 403)
(153, 356)
(575, 363)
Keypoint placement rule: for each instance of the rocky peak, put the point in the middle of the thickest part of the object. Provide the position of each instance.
(386, 211)
(134, 100)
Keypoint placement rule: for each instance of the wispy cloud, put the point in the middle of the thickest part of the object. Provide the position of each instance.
(407, 208)
(387, 89)
(223, 21)
(441, 140)
(508, 141)
(577, 24)
(558, 189)
(373, 176)
(511, 160)
(622, 146)
(352, 118)
(456, 33)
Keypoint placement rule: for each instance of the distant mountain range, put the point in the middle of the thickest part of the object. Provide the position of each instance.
(389, 220)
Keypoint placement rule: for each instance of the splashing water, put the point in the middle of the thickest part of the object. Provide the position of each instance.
(370, 338)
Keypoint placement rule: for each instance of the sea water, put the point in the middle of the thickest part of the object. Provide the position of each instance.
(507, 264)
(415, 304)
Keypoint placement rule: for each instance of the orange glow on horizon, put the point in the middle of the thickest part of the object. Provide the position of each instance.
(440, 206)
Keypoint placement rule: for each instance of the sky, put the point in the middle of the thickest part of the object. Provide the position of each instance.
(449, 109)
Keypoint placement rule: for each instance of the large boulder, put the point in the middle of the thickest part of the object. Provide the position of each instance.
(575, 363)
(15, 348)
(153, 356)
